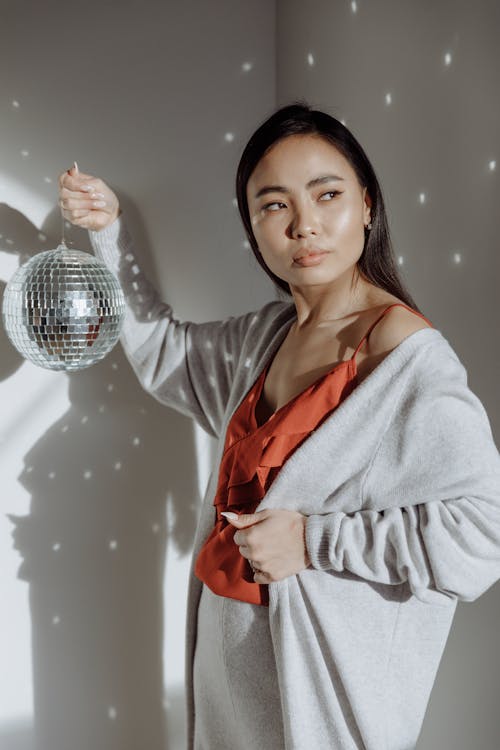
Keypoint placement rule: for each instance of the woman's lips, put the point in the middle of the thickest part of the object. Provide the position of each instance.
(313, 259)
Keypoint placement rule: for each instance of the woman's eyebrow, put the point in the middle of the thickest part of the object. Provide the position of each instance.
(312, 183)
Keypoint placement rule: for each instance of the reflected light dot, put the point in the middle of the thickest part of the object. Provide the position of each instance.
(110, 387)
(29, 469)
(87, 474)
(421, 197)
(235, 202)
(102, 408)
(56, 547)
(15, 104)
(310, 59)
(136, 441)
(42, 237)
(84, 420)
(114, 366)
(400, 260)
(129, 257)
(246, 244)
(248, 362)
(118, 465)
(52, 474)
(25, 152)
(113, 544)
(156, 528)
(48, 180)
(492, 165)
(246, 67)
(388, 99)
(457, 258)
(56, 620)
(354, 6)
(447, 58)
(112, 713)
(229, 137)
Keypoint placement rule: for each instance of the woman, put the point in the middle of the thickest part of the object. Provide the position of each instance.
(357, 492)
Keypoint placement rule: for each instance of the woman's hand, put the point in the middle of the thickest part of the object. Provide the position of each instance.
(274, 541)
(87, 201)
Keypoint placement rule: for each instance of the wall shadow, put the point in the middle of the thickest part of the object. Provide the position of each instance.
(113, 482)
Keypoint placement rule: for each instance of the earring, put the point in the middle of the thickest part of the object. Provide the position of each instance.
(368, 226)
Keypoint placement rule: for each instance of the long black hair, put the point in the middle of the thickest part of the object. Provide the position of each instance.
(377, 262)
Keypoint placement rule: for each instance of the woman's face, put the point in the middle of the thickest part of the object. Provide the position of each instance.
(303, 196)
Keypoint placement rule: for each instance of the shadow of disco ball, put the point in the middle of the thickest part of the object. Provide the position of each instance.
(63, 309)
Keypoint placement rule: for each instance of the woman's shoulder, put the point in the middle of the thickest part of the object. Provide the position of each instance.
(396, 324)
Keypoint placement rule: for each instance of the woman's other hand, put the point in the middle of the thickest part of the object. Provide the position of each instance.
(274, 541)
(87, 201)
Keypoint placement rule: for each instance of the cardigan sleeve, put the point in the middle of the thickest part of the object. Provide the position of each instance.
(430, 511)
(187, 366)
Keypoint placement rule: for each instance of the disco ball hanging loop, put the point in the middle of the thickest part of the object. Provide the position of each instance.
(63, 309)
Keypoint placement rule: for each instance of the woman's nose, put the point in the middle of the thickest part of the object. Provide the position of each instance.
(305, 223)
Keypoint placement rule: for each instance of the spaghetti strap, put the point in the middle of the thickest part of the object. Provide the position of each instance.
(395, 304)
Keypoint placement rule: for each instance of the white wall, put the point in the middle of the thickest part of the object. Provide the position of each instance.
(417, 83)
(100, 485)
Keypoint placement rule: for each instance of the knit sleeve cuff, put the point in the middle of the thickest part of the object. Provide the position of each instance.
(321, 534)
(111, 243)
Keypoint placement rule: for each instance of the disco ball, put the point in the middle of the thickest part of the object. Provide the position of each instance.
(63, 309)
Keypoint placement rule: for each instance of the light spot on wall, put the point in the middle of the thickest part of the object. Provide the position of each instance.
(229, 137)
(422, 198)
(114, 366)
(248, 362)
(388, 99)
(354, 6)
(135, 269)
(117, 466)
(135, 286)
(84, 420)
(15, 104)
(101, 409)
(492, 165)
(235, 202)
(112, 712)
(56, 620)
(246, 244)
(155, 527)
(310, 59)
(25, 153)
(110, 387)
(113, 544)
(228, 356)
(136, 441)
(447, 58)
(42, 237)
(87, 474)
(56, 546)
(457, 258)
(400, 260)
(29, 469)
(52, 474)
(246, 67)
(211, 380)
(48, 180)
(64, 428)
(129, 257)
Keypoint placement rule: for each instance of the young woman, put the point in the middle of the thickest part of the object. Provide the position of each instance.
(357, 491)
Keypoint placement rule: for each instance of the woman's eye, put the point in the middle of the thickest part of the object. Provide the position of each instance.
(331, 192)
(268, 205)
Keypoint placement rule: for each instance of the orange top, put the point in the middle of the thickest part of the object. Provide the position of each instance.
(253, 455)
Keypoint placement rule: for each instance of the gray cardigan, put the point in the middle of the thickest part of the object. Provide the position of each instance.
(401, 486)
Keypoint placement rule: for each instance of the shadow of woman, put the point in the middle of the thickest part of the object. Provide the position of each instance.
(113, 482)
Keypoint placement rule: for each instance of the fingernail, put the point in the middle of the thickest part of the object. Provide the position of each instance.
(97, 195)
(75, 165)
(87, 188)
(230, 516)
(99, 204)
